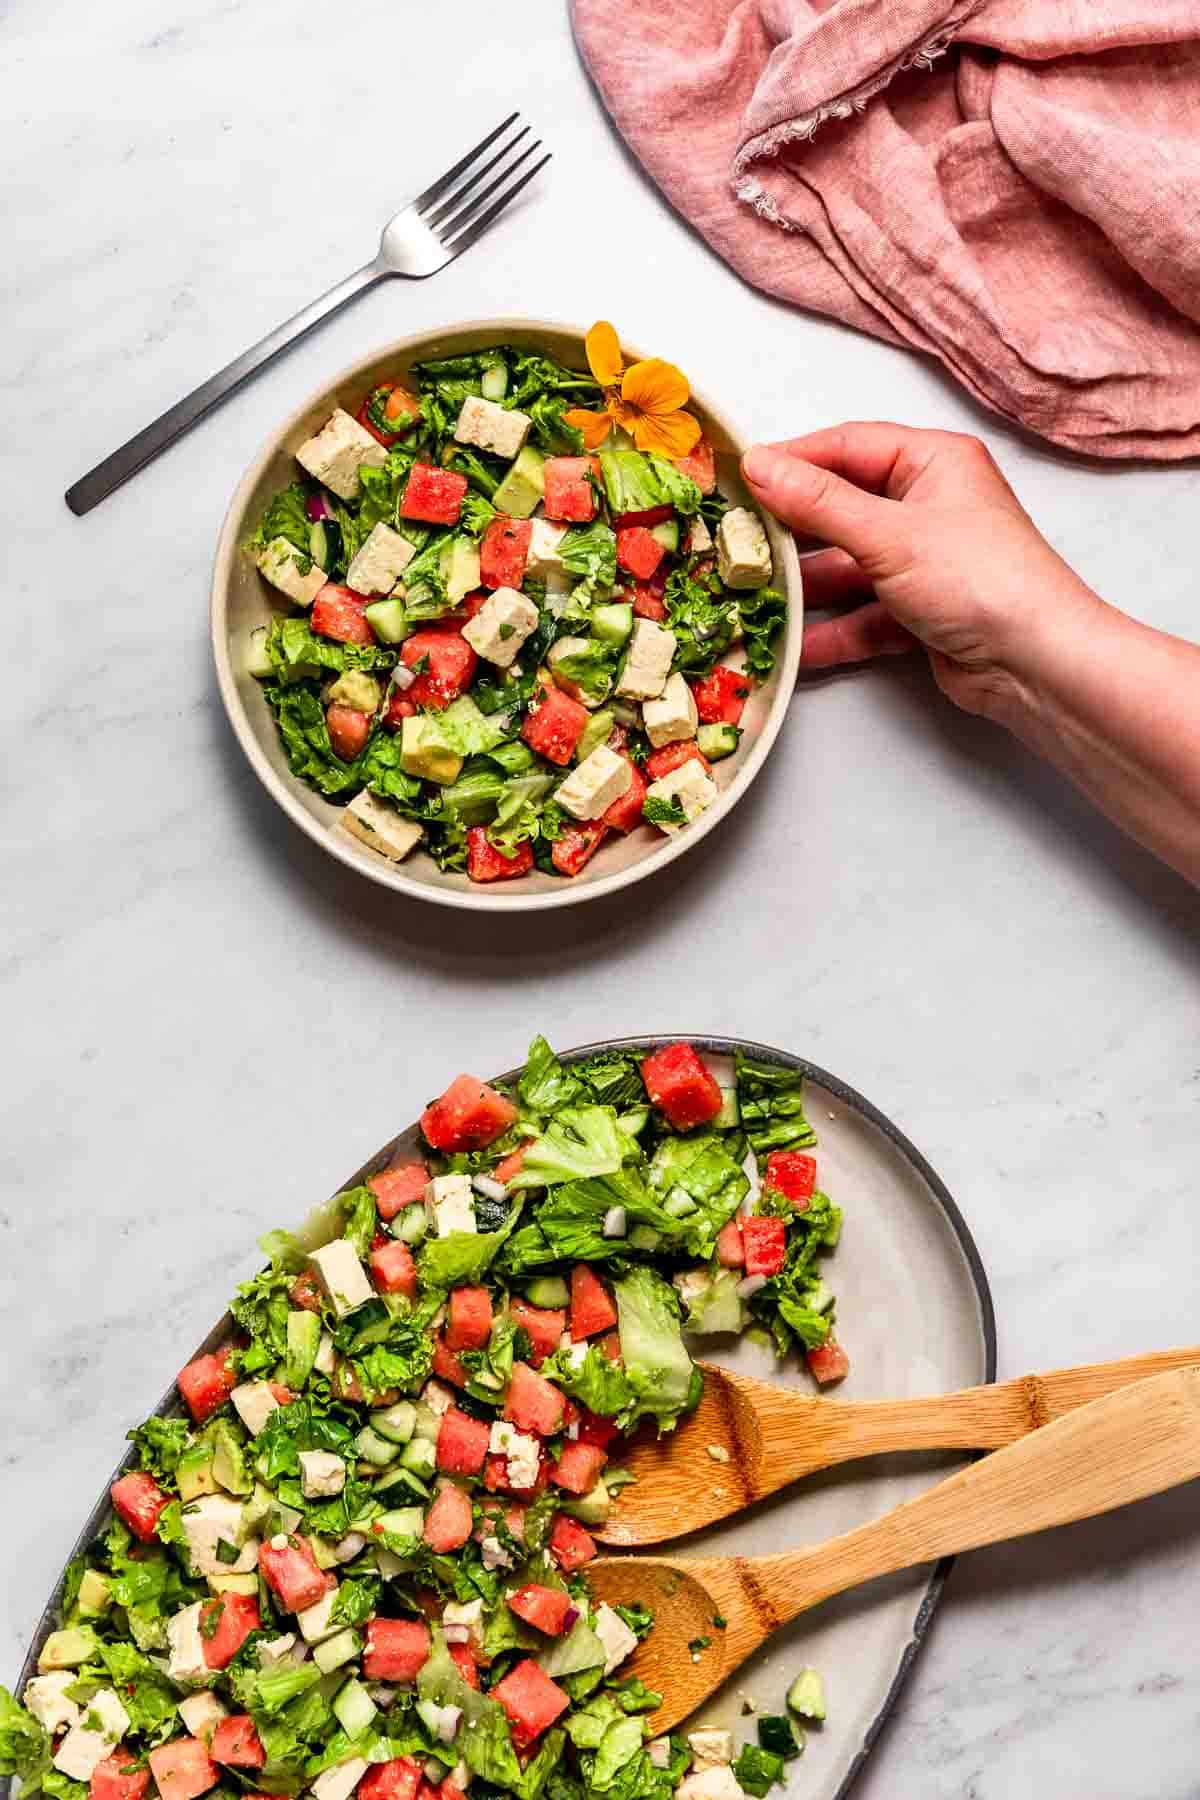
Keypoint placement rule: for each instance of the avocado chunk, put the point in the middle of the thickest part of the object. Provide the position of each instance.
(303, 1342)
(806, 1696)
(425, 752)
(591, 1508)
(95, 1595)
(357, 689)
(388, 620)
(523, 486)
(460, 568)
(194, 1475)
(67, 1649)
(229, 1460)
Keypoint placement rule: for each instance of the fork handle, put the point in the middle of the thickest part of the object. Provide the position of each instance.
(109, 475)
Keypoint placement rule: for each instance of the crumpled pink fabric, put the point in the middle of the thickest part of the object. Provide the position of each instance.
(1010, 185)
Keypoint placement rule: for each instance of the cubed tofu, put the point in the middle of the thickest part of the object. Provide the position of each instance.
(314, 1621)
(202, 1713)
(647, 661)
(294, 574)
(450, 1204)
(326, 1357)
(254, 1403)
(322, 1474)
(339, 1782)
(619, 1642)
(699, 537)
(437, 1397)
(543, 559)
(710, 1748)
(105, 1723)
(186, 1645)
(210, 1522)
(337, 453)
(690, 787)
(379, 826)
(498, 429)
(672, 716)
(743, 553)
(501, 626)
(379, 563)
(716, 1783)
(46, 1698)
(342, 1275)
(595, 785)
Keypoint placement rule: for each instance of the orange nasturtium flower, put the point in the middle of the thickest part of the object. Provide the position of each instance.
(646, 399)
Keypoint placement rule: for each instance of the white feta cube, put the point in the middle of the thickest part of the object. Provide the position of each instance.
(322, 1474)
(293, 573)
(202, 1713)
(253, 1402)
(46, 1698)
(659, 1752)
(688, 790)
(337, 453)
(379, 563)
(281, 1649)
(314, 1621)
(437, 1397)
(524, 1460)
(710, 1748)
(647, 661)
(619, 1642)
(326, 1358)
(690, 1283)
(543, 560)
(104, 1724)
(494, 1555)
(716, 1783)
(450, 1204)
(380, 827)
(210, 1522)
(501, 430)
(186, 1645)
(342, 1275)
(672, 716)
(743, 553)
(699, 537)
(339, 1782)
(502, 1436)
(501, 626)
(592, 787)
(468, 1613)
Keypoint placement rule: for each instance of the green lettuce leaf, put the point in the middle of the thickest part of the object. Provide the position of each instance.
(298, 653)
(484, 1738)
(24, 1743)
(762, 612)
(657, 1365)
(579, 1142)
(448, 1262)
(771, 1106)
(285, 517)
(358, 1212)
(590, 551)
(598, 1383)
(546, 1085)
(635, 482)
(757, 1770)
(146, 1694)
(159, 1443)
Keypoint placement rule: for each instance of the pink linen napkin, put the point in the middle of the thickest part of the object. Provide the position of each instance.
(1010, 185)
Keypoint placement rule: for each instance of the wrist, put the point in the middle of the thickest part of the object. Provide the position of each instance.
(1042, 652)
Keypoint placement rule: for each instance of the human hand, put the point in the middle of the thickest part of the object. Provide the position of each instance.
(925, 523)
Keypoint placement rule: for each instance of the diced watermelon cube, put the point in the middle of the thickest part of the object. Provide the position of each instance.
(470, 1115)
(828, 1362)
(529, 1697)
(463, 1658)
(592, 1308)
(207, 1383)
(639, 551)
(569, 492)
(237, 1744)
(512, 1163)
(503, 550)
(792, 1174)
(337, 612)
(673, 756)
(447, 664)
(137, 1501)
(554, 725)
(533, 1403)
(447, 1366)
(283, 1394)
(610, 1346)
(765, 1242)
(577, 846)
(544, 1608)
(348, 731)
(397, 1188)
(681, 1087)
(399, 408)
(230, 1619)
(397, 1779)
(111, 1782)
(291, 1574)
(594, 1429)
(462, 1443)
(653, 515)
(578, 1466)
(700, 464)
(544, 1324)
(647, 597)
(570, 1545)
(722, 695)
(469, 1325)
(448, 1521)
(393, 1270)
(626, 812)
(396, 1649)
(731, 1252)
(486, 863)
(433, 495)
(305, 1292)
(183, 1769)
(498, 1478)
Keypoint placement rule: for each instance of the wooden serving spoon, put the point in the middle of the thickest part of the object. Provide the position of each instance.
(748, 1438)
(1124, 1447)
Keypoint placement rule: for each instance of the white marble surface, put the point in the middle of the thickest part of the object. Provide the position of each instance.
(206, 1023)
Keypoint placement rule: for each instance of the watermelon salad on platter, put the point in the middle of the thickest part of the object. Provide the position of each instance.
(354, 1559)
(501, 631)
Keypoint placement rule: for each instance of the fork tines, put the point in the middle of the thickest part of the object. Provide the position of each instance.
(452, 206)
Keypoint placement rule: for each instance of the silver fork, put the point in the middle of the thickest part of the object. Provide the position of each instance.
(422, 238)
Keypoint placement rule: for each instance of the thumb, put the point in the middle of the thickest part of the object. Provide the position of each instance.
(818, 503)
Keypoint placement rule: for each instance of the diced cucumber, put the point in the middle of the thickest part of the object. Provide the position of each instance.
(716, 741)
(666, 532)
(819, 1297)
(427, 1423)
(594, 733)
(258, 663)
(635, 1121)
(324, 1552)
(644, 1237)
(396, 1422)
(730, 1113)
(353, 1707)
(303, 1342)
(679, 1203)
(547, 1290)
(420, 1456)
(591, 1508)
(775, 1734)
(515, 758)
(335, 1651)
(410, 1225)
(403, 1521)
(388, 620)
(375, 1449)
(390, 1565)
(613, 623)
(806, 1696)
(430, 1715)
(325, 543)
(235, 1583)
(493, 383)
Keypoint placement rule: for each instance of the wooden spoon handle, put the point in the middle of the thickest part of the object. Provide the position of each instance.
(1132, 1443)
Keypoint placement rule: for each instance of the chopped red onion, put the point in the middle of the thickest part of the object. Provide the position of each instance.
(317, 507)
(750, 1286)
(456, 1634)
(570, 1617)
(616, 1223)
(573, 1430)
(449, 1723)
(659, 1753)
(402, 676)
(491, 1190)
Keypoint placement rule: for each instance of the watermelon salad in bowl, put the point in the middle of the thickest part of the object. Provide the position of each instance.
(349, 1554)
(494, 619)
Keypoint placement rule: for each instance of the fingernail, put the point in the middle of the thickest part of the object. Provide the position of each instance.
(756, 465)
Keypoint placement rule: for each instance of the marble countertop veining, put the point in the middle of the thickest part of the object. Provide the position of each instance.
(206, 1022)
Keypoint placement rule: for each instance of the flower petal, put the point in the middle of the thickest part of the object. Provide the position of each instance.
(595, 426)
(604, 353)
(655, 386)
(668, 434)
